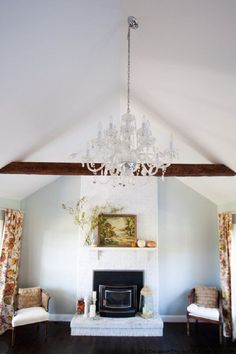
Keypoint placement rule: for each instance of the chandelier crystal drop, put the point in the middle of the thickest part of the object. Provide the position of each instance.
(127, 151)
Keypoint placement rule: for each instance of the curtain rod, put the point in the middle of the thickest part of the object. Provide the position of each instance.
(4, 209)
(232, 212)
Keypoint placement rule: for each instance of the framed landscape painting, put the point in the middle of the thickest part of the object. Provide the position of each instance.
(117, 230)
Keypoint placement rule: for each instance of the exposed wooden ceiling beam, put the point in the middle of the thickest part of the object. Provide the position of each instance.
(72, 169)
(199, 170)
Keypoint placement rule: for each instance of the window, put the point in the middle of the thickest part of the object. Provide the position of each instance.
(1, 228)
(233, 275)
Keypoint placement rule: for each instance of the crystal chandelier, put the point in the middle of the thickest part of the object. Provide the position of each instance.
(128, 151)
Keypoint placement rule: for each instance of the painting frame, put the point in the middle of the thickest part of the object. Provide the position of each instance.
(117, 230)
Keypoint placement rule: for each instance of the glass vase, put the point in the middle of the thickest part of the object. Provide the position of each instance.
(88, 239)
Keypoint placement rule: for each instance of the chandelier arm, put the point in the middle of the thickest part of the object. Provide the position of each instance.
(151, 169)
(91, 166)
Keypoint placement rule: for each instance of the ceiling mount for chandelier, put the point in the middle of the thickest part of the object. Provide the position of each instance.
(128, 151)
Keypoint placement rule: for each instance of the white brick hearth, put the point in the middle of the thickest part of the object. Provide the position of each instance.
(129, 327)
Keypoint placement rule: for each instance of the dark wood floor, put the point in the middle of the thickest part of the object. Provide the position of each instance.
(30, 340)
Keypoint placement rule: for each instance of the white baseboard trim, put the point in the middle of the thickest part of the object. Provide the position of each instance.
(60, 317)
(68, 317)
(173, 318)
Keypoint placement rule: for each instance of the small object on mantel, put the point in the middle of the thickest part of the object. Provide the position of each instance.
(133, 244)
(92, 311)
(94, 297)
(141, 243)
(86, 306)
(151, 244)
(80, 306)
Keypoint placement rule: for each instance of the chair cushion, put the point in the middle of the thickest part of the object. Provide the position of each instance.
(29, 315)
(29, 297)
(206, 297)
(207, 313)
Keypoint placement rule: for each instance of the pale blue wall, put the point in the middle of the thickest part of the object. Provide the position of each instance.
(188, 244)
(10, 203)
(227, 207)
(49, 244)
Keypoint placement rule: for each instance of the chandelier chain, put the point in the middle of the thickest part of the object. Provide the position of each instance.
(128, 81)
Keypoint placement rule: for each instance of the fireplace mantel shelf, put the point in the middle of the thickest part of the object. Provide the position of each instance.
(100, 250)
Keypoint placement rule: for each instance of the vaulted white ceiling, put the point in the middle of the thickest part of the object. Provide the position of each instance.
(62, 70)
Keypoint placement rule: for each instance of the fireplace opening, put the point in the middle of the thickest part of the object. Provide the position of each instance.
(118, 292)
(117, 301)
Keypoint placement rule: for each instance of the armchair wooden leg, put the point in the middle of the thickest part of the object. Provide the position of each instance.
(220, 332)
(46, 330)
(13, 334)
(196, 325)
(187, 324)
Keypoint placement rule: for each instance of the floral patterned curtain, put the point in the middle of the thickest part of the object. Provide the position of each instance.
(9, 265)
(225, 249)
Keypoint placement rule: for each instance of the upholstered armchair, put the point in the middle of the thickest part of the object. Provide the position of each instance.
(31, 306)
(204, 304)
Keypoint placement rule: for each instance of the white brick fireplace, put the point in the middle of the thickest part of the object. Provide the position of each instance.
(140, 200)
